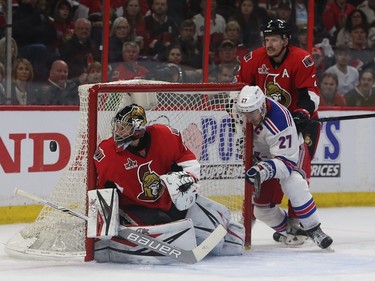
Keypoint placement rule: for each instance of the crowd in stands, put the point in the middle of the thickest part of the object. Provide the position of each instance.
(57, 44)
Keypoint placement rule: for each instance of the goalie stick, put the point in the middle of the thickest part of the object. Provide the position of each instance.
(186, 256)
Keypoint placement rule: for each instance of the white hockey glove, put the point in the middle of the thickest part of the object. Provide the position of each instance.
(182, 188)
(259, 173)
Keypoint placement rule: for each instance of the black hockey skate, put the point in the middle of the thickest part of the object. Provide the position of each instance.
(319, 237)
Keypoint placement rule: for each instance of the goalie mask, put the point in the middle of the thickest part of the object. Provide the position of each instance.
(251, 101)
(129, 124)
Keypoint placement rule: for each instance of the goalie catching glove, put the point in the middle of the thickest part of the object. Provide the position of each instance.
(182, 188)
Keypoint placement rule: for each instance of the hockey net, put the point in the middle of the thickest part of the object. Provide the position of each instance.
(199, 111)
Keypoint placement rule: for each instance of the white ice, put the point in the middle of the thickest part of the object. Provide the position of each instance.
(352, 229)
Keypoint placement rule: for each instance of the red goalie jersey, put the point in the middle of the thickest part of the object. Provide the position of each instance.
(297, 71)
(136, 172)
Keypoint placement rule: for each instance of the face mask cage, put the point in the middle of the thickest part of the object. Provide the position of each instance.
(124, 132)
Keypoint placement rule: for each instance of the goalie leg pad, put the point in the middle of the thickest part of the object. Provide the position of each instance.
(180, 234)
(207, 215)
(103, 213)
(233, 240)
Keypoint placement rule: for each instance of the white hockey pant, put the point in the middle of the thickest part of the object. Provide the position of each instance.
(296, 189)
(206, 215)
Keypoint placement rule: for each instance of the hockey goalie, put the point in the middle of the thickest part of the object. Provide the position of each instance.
(148, 180)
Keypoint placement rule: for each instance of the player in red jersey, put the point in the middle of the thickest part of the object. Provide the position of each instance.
(157, 179)
(286, 74)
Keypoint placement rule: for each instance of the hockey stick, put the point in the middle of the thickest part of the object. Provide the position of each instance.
(257, 185)
(347, 117)
(162, 248)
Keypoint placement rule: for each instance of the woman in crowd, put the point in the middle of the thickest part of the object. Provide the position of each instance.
(22, 90)
(120, 32)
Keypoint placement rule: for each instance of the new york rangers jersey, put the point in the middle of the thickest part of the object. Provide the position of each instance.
(276, 140)
(136, 172)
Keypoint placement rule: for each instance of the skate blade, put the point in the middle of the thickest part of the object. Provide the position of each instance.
(329, 249)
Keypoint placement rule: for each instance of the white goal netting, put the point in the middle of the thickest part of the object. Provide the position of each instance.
(199, 111)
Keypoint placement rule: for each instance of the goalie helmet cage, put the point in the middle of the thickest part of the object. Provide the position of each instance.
(198, 111)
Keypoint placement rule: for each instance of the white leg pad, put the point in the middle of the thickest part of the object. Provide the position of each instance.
(103, 215)
(207, 215)
(234, 240)
(179, 233)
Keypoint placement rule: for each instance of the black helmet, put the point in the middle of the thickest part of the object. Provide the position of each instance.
(132, 120)
(277, 27)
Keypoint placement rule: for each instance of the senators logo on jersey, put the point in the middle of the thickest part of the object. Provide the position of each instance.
(152, 190)
(276, 92)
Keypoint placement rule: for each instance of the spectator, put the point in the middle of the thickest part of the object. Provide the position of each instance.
(14, 51)
(86, 8)
(35, 34)
(227, 53)
(300, 12)
(63, 23)
(284, 12)
(191, 52)
(358, 37)
(302, 38)
(217, 26)
(80, 50)
(347, 75)
(133, 13)
(178, 10)
(160, 29)
(94, 73)
(360, 53)
(169, 72)
(129, 68)
(225, 73)
(322, 62)
(368, 7)
(120, 32)
(233, 33)
(185, 73)
(22, 89)
(364, 93)
(270, 6)
(227, 56)
(251, 19)
(59, 90)
(144, 7)
(334, 16)
(328, 91)
(355, 17)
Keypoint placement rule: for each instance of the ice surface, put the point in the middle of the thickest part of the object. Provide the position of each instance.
(352, 229)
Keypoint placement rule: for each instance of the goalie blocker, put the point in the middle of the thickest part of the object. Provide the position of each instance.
(201, 219)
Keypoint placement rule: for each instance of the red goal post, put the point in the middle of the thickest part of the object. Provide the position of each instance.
(199, 111)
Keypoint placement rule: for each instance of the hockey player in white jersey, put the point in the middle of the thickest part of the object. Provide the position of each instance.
(279, 152)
